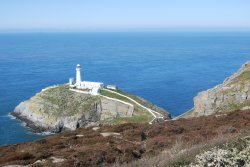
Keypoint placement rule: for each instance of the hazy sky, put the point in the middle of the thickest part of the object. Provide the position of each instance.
(123, 15)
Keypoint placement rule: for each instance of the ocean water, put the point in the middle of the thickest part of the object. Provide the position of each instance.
(168, 69)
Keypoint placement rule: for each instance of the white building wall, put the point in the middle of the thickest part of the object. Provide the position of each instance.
(90, 85)
(71, 81)
(113, 87)
(94, 87)
(78, 75)
(95, 91)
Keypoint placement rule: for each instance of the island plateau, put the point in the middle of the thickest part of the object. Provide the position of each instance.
(82, 104)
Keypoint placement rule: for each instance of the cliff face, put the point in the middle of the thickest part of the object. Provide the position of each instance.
(57, 108)
(233, 94)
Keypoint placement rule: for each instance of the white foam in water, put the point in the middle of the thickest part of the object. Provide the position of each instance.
(5, 116)
(25, 125)
(10, 116)
(45, 133)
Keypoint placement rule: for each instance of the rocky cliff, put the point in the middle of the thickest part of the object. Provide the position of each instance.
(58, 108)
(233, 94)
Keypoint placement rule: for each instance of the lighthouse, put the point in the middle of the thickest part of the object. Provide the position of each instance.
(88, 87)
(78, 75)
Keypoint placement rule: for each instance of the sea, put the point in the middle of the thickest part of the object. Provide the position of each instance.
(166, 68)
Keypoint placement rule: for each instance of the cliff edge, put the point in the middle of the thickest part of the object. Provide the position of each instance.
(233, 94)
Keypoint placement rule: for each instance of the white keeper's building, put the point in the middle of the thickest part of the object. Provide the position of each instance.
(90, 87)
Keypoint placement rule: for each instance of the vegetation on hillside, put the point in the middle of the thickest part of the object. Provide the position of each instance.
(144, 102)
(60, 101)
(170, 143)
(140, 115)
(233, 153)
(137, 99)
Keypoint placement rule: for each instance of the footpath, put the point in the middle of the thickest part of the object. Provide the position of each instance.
(155, 114)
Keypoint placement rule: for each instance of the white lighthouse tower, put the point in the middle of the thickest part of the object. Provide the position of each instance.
(88, 87)
(78, 75)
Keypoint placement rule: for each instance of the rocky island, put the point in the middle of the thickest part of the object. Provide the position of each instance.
(57, 108)
(84, 103)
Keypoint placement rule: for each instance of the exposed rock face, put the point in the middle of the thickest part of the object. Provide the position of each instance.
(113, 109)
(233, 94)
(57, 108)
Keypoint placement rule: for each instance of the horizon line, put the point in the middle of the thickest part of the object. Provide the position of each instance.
(177, 29)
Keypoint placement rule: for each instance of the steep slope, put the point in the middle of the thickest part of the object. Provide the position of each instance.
(233, 94)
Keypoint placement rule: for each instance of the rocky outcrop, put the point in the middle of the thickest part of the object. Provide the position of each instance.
(233, 94)
(57, 108)
(113, 109)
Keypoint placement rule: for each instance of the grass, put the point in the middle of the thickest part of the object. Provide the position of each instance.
(142, 102)
(233, 106)
(113, 95)
(240, 80)
(136, 98)
(242, 77)
(60, 101)
(187, 114)
(133, 119)
(140, 115)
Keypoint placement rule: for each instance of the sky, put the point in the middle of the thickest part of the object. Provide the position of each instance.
(124, 15)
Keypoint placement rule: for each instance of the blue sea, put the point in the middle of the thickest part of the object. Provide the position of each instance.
(168, 69)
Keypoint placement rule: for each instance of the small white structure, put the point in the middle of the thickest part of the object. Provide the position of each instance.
(113, 87)
(90, 87)
(71, 81)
